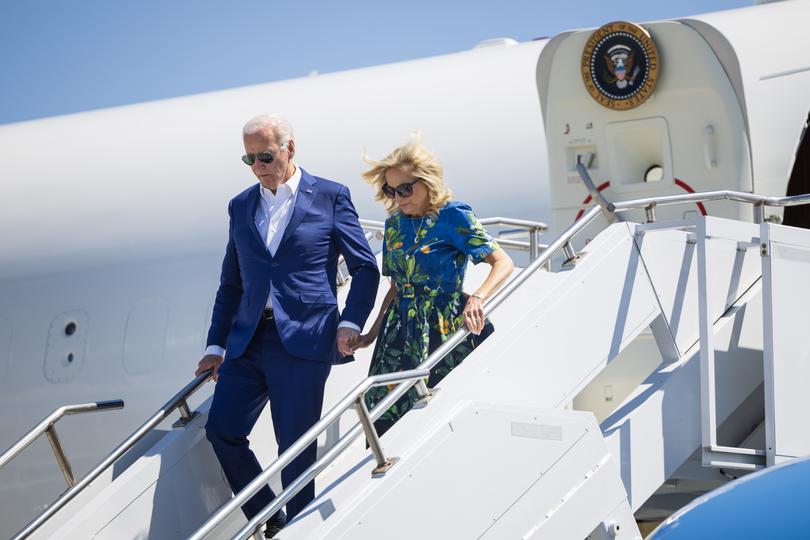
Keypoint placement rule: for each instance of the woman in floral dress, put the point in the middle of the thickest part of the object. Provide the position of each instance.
(428, 239)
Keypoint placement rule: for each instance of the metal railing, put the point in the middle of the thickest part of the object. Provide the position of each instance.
(47, 426)
(505, 238)
(650, 203)
(353, 399)
(374, 414)
(562, 242)
(758, 201)
(343, 278)
(374, 226)
(533, 228)
(177, 402)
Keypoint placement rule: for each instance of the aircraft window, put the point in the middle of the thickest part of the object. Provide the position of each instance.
(67, 346)
(654, 174)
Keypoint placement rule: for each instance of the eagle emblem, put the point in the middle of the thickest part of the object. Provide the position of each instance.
(620, 65)
(619, 61)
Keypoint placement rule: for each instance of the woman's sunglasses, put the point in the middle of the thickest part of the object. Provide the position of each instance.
(264, 157)
(404, 190)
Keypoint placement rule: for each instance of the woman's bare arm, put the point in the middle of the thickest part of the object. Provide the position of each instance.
(367, 339)
(502, 267)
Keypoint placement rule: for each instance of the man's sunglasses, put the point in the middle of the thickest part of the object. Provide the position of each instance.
(404, 190)
(264, 157)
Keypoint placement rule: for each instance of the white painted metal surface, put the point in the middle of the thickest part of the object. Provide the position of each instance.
(448, 486)
(127, 225)
(651, 464)
(555, 476)
(773, 106)
(740, 238)
(711, 116)
(786, 265)
(127, 250)
(693, 94)
(167, 486)
(658, 427)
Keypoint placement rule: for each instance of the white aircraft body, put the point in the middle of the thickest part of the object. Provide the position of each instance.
(114, 222)
(122, 229)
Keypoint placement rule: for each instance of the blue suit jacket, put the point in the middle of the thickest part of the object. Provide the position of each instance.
(323, 225)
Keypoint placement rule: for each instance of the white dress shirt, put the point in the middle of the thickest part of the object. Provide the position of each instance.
(272, 216)
(274, 213)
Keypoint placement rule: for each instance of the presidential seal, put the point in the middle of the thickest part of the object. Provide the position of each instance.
(620, 65)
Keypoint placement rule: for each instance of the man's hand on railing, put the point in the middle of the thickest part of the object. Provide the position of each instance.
(209, 361)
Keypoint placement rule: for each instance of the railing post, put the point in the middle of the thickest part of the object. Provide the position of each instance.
(649, 211)
(61, 458)
(425, 393)
(355, 397)
(534, 240)
(373, 439)
(569, 251)
(119, 451)
(571, 257)
(186, 416)
(759, 212)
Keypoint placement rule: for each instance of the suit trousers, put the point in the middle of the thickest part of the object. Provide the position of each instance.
(294, 388)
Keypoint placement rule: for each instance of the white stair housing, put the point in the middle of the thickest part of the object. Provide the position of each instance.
(498, 452)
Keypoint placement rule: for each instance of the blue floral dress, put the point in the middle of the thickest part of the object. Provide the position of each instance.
(426, 257)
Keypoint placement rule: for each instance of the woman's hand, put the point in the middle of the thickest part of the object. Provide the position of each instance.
(474, 314)
(363, 341)
(474, 309)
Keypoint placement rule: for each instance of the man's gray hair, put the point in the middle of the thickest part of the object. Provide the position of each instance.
(279, 125)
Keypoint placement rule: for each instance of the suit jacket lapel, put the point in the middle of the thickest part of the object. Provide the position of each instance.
(253, 206)
(303, 200)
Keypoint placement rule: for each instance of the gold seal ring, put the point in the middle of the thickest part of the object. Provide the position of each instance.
(620, 65)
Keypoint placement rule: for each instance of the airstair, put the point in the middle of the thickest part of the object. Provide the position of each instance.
(498, 452)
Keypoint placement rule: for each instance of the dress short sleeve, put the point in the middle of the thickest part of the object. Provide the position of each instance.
(468, 235)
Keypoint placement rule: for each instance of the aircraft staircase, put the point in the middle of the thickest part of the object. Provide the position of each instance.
(498, 452)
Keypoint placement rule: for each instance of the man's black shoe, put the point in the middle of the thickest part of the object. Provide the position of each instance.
(274, 526)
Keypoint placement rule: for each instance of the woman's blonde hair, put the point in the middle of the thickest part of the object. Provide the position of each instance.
(415, 160)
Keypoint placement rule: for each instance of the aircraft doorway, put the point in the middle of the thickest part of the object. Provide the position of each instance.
(799, 182)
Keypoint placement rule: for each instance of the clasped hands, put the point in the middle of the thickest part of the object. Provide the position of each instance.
(349, 340)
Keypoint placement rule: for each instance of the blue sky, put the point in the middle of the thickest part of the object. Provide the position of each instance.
(65, 56)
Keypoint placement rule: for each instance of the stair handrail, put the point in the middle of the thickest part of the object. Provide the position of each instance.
(176, 402)
(47, 426)
(562, 242)
(759, 201)
(179, 400)
(342, 279)
(353, 398)
(394, 394)
(523, 226)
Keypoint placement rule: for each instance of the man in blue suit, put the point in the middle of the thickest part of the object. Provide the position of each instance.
(276, 329)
